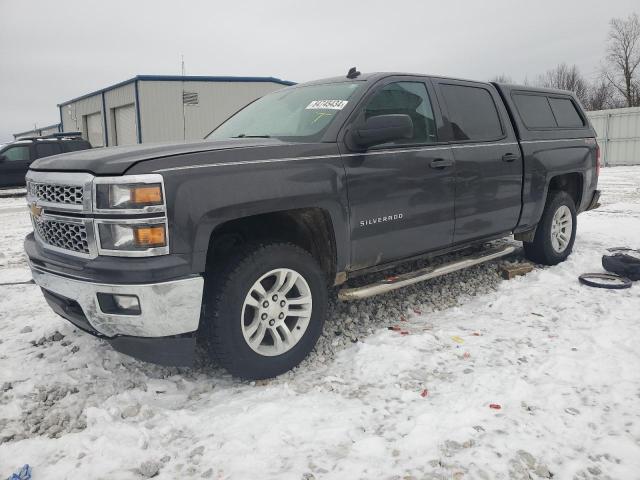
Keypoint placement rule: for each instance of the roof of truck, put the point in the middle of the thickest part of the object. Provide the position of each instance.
(374, 76)
(529, 88)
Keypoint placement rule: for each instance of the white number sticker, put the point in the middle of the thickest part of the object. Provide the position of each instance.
(327, 105)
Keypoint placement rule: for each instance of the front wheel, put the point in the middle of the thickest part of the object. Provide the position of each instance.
(265, 307)
(556, 231)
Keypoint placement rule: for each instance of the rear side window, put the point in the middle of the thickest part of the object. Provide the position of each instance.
(74, 146)
(47, 149)
(540, 111)
(535, 111)
(565, 112)
(472, 113)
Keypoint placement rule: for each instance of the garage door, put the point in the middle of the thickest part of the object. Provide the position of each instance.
(125, 120)
(94, 130)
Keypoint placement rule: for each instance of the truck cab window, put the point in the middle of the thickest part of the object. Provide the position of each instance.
(565, 112)
(472, 113)
(535, 111)
(16, 154)
(408, 98)
(299, 114)
(47, 149)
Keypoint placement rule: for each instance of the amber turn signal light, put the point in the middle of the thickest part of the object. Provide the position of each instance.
(150, 236)
(147, 195)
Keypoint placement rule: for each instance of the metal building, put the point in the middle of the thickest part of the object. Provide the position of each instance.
(155, 108)
(618, 132)
(38, 132)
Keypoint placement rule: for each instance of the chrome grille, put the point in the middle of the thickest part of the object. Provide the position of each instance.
(64, 235)
(64, 194)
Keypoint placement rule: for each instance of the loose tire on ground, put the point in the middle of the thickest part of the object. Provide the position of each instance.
(552, 232)
(605, 280)
(233, 302)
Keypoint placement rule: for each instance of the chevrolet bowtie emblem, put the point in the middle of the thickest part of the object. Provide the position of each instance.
(36, 211)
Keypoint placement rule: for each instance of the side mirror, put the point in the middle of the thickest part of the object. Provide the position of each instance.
(2, 158)
(383, 129)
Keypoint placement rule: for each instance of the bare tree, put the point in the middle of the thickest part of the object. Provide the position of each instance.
(502, 78)
(565, 77)
(623, 57)
(602, 95)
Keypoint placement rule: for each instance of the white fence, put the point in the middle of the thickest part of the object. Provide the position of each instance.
(618, 135)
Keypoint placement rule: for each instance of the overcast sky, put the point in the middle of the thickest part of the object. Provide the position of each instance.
(53, 51)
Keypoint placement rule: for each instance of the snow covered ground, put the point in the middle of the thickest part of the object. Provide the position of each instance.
(562, 361)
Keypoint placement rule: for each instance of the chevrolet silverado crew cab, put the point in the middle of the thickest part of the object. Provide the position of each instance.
(237, 240)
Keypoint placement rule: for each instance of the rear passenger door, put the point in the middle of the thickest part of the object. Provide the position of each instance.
(488, 160)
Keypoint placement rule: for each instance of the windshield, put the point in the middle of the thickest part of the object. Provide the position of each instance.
(298, 114)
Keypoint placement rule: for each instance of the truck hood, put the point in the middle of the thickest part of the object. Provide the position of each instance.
(117, 160)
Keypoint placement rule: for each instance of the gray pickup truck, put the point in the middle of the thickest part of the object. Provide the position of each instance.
(237, 240)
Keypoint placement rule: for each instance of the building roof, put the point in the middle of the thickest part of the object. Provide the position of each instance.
(179, 78)
(55, 125)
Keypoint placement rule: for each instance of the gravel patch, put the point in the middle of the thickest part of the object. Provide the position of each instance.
(350, 322)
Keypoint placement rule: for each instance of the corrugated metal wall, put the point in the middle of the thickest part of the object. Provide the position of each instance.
(162, 116)
(74, 115)
(161, 106)
(116, 98)
(618, 135)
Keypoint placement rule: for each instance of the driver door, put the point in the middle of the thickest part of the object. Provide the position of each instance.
(14, 166)
(401, 194)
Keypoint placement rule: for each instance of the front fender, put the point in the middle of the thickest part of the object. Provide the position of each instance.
(200, 200)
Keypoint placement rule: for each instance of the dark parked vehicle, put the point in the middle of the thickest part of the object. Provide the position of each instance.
(236, 240)
(15, 157)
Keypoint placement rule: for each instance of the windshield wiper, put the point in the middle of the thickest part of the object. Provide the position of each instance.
(244, 135)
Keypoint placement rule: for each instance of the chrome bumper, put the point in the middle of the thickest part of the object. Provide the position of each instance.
(167, 308)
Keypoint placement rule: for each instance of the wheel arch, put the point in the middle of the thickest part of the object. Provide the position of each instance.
(311, 228)
(572, 183)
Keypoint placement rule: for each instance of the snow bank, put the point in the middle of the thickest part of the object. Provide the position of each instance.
(560, 360)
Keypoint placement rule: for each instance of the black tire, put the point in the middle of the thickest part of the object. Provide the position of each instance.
(225, 291)
(607, 280)
(541, 250)
(623, 264)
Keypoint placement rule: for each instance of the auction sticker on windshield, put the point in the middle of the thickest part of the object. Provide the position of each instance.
(327, 105)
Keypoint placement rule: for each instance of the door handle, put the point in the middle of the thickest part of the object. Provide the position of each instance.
(440, 163)
(510, 157)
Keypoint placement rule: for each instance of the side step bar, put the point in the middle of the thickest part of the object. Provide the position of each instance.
(399, 281)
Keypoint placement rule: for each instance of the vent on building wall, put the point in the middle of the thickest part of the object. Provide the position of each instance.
(190, 98)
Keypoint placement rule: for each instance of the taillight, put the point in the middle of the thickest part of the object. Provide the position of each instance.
(597, 160)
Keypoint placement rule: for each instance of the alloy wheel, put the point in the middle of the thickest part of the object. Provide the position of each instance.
(276, 312)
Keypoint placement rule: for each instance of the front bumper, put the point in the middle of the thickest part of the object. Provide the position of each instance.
(167, 308)
(164, 330)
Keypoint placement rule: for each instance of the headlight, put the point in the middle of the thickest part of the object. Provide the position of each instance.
(129, 194)
(133, 237)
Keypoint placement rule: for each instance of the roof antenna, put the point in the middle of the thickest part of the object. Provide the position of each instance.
(353, 73)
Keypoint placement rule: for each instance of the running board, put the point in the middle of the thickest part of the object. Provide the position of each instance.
(399, 281)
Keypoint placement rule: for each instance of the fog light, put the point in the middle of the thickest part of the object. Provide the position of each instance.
(119, 304)
(127, 302)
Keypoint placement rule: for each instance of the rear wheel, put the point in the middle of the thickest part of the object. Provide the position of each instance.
(556, 231)
(264, 309)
